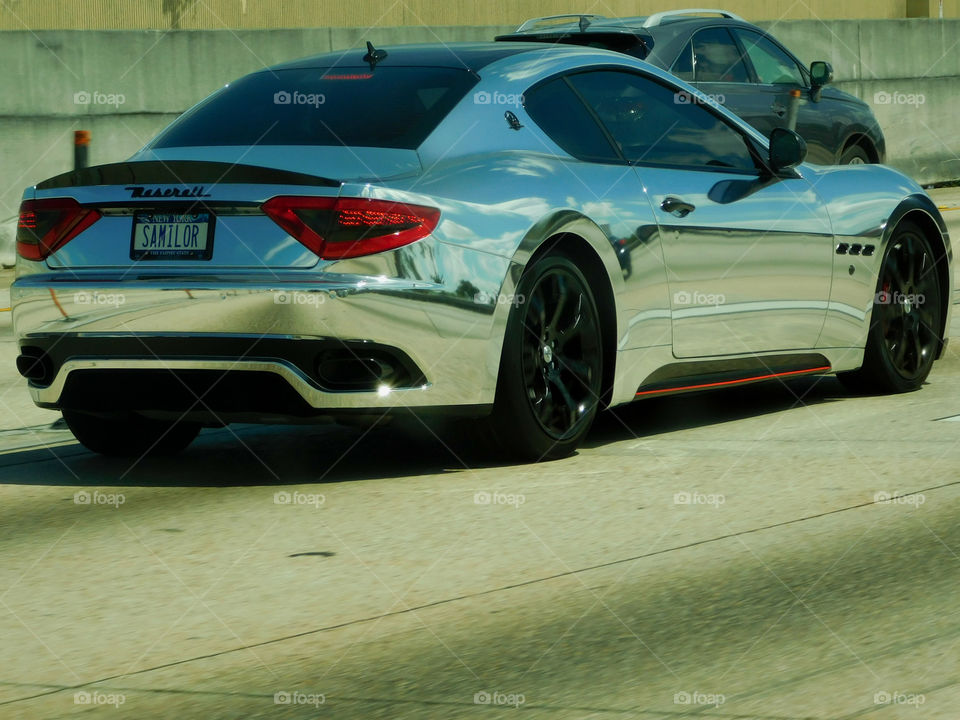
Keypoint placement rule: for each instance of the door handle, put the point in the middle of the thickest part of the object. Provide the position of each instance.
(778, 109)
(676, 206)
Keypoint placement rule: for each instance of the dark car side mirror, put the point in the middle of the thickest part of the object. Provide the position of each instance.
(821, 73)
(787, 149)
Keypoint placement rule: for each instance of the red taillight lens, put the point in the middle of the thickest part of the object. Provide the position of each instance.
(47, 225)
(338, 228)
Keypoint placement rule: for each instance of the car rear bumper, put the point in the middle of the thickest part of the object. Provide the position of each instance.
(279, 345)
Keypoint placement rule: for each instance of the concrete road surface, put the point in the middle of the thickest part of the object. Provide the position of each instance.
(769, 553)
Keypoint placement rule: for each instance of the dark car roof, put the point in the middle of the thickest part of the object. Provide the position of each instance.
(632, 24)
(466, 56)
(668, 37)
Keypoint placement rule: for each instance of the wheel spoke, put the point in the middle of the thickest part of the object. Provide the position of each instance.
(572, 405)
(571, 333)
(911, 261)
(914, 354)
(918, 350)
(537, 312)
(899, 349)
(579, 368)
(531, 364)
(927, 320)
(893, 275)
(544, 407)
(563, 293)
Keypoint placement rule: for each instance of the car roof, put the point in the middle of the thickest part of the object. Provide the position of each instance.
(635, 24)
(471, 56)
(665, 39)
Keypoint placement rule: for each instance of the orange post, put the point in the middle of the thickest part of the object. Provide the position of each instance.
(81, 148)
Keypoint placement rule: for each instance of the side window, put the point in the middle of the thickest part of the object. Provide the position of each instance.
(561, 115)
(772, 64)
(656, 126)
(716, 58)
(683, 65)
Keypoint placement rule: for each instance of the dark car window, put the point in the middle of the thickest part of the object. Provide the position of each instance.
(389, 107)
(711, 56)
(683, 65)
(772, 65)
(656, 126)
(561, 115)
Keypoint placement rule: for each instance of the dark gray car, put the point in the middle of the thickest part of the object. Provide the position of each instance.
(737, 65)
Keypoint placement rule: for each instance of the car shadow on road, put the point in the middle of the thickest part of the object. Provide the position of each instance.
(657, 416)
(248, 455)
(257, 455)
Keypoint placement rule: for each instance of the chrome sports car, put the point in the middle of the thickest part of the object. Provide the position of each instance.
(522, 233)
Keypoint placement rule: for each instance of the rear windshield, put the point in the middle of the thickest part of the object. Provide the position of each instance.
(387, 107)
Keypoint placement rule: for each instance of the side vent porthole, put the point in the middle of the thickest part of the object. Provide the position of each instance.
(855, 249)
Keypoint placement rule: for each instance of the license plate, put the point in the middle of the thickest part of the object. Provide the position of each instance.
(172, 236)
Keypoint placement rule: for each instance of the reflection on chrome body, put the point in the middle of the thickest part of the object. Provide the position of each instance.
(751, 270)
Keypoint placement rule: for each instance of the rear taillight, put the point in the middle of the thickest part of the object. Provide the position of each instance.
(338, 228)
(47, 225)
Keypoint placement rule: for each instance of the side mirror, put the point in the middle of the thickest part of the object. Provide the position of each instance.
(821, 73)
(787, 149)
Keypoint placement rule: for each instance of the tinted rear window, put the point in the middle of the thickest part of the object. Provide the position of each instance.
(387, 107)
(561, 114)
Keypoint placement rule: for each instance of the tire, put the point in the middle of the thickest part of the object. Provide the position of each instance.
(551, 366)
(129, 435)
(855, 155)
(904, 333)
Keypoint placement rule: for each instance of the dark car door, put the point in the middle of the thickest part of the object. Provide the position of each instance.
(748, 256)
(775, 73)
(712, 61)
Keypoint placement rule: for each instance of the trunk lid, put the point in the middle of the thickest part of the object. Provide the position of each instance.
(158, 210)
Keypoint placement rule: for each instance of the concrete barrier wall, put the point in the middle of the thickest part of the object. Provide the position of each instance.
(264, 14)
(124, 86)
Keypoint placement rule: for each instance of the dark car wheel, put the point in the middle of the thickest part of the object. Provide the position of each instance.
(854, 155)
(904, 331)
(129, 435)
(551, 365)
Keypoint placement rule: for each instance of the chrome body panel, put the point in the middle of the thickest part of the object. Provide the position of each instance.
(749, 268)
(767, 246)
(443, 339)
(865, 203)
